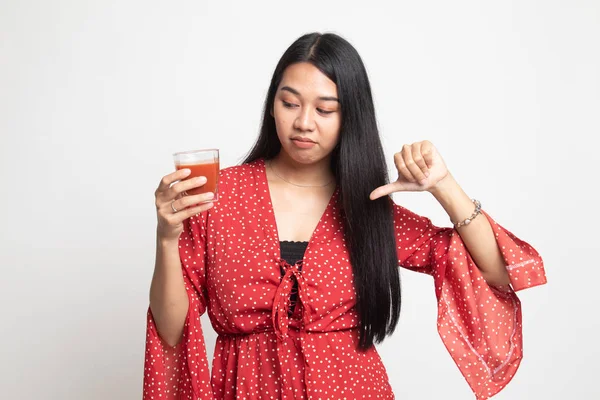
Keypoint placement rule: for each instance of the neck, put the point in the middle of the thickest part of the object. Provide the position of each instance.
(311, 174)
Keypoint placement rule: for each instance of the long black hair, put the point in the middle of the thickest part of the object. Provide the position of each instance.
(359, 166)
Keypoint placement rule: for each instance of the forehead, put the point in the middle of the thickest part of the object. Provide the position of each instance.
(308, 80)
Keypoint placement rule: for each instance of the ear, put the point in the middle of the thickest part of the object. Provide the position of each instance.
(271, 112)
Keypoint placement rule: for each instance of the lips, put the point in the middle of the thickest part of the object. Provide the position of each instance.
(302, 139)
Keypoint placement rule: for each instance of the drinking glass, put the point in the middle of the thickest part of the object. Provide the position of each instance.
(203, 162)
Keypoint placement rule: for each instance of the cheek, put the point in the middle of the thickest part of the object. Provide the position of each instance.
(281, 119)
(282, 126)
(332, 128)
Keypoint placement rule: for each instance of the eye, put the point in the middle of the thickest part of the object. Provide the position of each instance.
(288, 105)
(324, 111)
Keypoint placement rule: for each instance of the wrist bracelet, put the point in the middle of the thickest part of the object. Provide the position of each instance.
(472, 217)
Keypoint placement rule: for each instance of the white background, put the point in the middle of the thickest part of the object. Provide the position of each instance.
(96, 95)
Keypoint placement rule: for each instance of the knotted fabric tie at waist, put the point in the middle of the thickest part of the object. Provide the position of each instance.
(281, 321)
(281, 303)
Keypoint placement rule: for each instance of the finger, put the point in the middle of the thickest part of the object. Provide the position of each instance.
(427, 153)
(414, 169)
(186, 201)
(180, 187)
(417, 155)
(190, 212)
(167, 180)
(401, 167)
(386, 190)
(174, 219)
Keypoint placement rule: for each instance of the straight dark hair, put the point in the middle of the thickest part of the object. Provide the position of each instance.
(359, 166)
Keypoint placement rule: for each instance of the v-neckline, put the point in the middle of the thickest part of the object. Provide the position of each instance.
(273, 220)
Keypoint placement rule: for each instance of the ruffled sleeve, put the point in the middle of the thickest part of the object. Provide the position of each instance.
(480, 325)
(181, 372)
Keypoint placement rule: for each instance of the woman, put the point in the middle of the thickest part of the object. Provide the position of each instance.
(297, 263)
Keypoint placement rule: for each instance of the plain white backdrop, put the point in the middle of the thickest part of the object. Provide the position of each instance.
(96, 95)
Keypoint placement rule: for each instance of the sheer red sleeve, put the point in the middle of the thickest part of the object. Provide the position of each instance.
(181, 372)
(480, 325)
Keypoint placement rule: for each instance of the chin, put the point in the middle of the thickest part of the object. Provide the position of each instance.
(305, 157)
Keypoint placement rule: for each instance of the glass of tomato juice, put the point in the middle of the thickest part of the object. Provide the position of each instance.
(201, 163)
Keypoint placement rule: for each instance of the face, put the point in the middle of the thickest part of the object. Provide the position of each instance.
(307, 113)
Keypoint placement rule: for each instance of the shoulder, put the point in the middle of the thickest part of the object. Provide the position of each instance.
(239, 173)
(234, 183)
(240, 179)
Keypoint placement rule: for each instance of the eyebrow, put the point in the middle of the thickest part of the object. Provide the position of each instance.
(294, 91)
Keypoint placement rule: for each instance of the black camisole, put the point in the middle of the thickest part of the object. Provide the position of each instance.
(292, 252)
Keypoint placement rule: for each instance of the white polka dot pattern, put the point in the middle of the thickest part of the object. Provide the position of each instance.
(231, 264)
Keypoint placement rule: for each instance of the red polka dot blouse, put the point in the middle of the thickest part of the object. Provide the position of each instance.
(232, 268)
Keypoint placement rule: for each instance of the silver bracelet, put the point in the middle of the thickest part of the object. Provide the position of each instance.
(472, 217)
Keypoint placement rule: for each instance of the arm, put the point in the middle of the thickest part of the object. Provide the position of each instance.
(168, 298)
(421, 168)
(479, 316)
(480, 325)
(175, 364)
(175, 359)
(478, 236)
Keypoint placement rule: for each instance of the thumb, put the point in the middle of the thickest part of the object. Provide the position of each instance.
(386, 189)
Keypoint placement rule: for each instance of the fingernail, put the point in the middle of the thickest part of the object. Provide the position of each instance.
(427, 174)
(210, 195)
(186, 171)
(201, 179)
(423, 181)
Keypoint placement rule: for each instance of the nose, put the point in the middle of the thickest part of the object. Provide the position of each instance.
(305, 121)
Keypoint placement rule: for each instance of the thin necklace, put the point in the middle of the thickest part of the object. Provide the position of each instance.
(295, 184)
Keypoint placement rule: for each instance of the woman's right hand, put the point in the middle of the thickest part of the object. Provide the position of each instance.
(169, 197)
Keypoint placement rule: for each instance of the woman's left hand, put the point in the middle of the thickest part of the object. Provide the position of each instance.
(420, 168)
